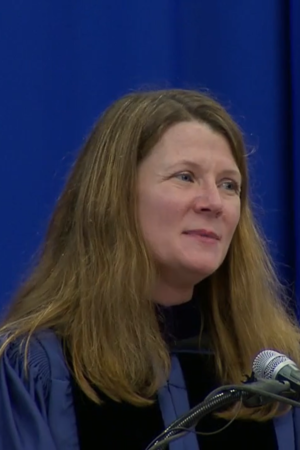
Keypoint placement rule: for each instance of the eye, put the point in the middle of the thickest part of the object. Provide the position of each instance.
(185, 176)
(231, 185)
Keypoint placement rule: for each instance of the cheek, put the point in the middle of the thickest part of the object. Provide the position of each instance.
(233, 218)
(158, 212)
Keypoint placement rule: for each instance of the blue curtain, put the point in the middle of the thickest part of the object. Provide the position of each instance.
(295, 131)
(63, 62)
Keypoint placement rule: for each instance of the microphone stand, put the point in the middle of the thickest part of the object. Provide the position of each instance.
(253, 394)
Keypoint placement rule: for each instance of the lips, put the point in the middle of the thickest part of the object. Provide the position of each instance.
(204, 233)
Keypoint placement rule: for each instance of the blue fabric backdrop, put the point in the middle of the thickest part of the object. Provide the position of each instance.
(295, 131)
(63, 62)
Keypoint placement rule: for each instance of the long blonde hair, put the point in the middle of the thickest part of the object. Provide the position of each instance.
(92, 284)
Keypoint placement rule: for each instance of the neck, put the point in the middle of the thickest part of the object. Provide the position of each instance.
(167, 294)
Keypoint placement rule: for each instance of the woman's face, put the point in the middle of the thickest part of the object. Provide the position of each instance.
(189, 203)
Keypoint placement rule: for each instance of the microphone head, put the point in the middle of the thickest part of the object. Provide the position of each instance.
(267, 363)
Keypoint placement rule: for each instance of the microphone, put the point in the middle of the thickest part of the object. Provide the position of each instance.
(272, 365)
(273, 374)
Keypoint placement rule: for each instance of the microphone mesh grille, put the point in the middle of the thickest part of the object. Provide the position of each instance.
(266, 362)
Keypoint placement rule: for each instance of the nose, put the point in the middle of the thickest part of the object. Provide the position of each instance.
(209, 200)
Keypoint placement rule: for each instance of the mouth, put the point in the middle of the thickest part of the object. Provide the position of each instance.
(209, 234)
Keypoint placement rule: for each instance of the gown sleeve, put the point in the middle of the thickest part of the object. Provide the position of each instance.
(36, 407)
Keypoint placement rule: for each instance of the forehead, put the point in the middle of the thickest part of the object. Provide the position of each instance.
(194, 140)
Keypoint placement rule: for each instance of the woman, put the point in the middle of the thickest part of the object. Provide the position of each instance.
(152, 288)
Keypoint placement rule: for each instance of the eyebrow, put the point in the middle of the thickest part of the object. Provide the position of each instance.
(192, 164)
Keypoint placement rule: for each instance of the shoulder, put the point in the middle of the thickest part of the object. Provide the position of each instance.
(36, 395)
(45, 359)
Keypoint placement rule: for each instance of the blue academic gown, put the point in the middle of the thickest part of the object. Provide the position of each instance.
(37, 413)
